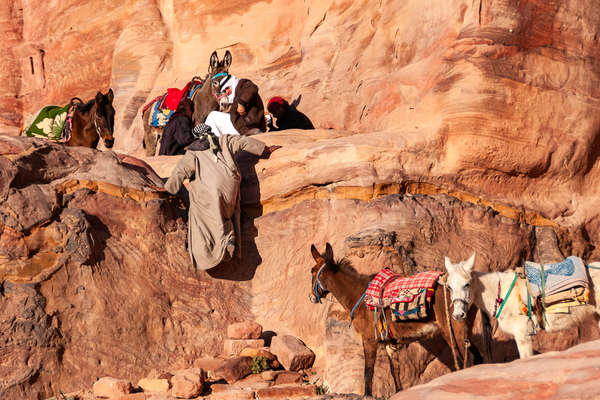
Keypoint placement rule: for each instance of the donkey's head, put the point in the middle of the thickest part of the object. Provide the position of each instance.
(103, 117)
(321, 262)
(459, 283)
(215, 66)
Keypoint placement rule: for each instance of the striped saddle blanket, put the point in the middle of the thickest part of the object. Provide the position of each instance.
(408, 297)
(165, 105)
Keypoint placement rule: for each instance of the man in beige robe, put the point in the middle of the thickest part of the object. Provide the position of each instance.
(214, 215)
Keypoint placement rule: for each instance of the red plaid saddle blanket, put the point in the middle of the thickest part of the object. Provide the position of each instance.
(387, 287)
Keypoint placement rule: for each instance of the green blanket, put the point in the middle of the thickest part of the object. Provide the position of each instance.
(49, 123)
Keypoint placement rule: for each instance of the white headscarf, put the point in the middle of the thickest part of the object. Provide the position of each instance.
(229, 81)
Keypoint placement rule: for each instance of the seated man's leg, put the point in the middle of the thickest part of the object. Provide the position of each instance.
(220, 123)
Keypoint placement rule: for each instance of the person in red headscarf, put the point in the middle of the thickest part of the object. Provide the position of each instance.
(288, 117)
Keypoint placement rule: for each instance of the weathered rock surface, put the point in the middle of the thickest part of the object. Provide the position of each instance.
(108, 387)
(244, 330)
(154, 385)
(287, 391)
(251, 352)
(456, 91)
(235, 369)
(93, 242)
(234, 347)
(292, 353)
(288, 377)
(84, 241)
(571, 374)
(188, 383)
(469, 126)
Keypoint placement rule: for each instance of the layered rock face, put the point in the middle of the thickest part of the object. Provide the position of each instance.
(95, 276)
(472, 86)
(558, 375)
(459, 127)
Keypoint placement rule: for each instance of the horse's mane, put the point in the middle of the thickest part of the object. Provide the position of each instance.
(344, 265)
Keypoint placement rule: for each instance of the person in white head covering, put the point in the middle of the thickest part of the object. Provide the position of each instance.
(247, 114)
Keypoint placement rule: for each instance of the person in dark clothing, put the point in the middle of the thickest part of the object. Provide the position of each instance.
(288, 117)
(247, 111)
(177, 134)
(247, 114)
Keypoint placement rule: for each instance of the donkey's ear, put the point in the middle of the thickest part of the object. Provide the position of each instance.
(328, 252)
(448, 264)
(214, 61)
(110, 95)
(227, 60)
(315, 253)
(99, 97)
(468, 265)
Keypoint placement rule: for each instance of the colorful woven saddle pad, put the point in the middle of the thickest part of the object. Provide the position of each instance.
(49, 123)
(414, 309)
(557, 277)
(164, 106)
(388, 288)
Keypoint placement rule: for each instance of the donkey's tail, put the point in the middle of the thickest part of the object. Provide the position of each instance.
(486, 331)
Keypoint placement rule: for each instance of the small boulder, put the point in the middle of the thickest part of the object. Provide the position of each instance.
(286, 391)
(244, 330)
(233, 347)
(210, 365)
(269, 375)
(289, 377)
(233, 394)
(292, 353)
(188, 383)
(111, 387)
(235, 369)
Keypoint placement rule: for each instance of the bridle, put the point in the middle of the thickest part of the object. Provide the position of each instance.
(453, 344)
(95, 122)
(318, 285)
(222, 94)
(465, 301)
(96, 125)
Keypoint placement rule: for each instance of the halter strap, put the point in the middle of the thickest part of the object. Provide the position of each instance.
(356, 305)
(97, 127)
(507, 294)
(318, 285)
(220, 74)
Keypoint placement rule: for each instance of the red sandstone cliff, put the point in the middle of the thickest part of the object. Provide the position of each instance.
(460, 126)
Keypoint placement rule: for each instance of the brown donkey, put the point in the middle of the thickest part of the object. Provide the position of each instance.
(205, 101)
(93, 121)
(347, 286)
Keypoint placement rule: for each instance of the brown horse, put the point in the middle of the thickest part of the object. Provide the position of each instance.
(347, 286)
(93, 121)
(205, 101)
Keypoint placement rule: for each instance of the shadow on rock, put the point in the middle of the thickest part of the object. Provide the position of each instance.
(244, 269)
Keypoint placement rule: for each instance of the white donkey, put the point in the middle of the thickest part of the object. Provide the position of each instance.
(486, 288)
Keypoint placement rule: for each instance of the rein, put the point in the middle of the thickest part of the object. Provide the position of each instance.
(96, 126)
(453, 344)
